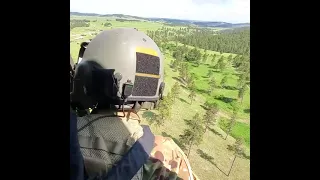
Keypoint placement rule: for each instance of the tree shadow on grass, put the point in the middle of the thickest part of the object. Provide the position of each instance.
(173, 69)
(230, 87)
(236, 73)
(246, 111)
(187, 121)
(213, 69)
(205, 108)
(215, 132)
(184, 87)
(182, 100)
(210, 159)
(182, 146)
(202, 91)
(206, 156)
(178, 79)
(242, 155)
(225, 99)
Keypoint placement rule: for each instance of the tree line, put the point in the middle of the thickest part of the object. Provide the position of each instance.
(235, 41)
(127, 20)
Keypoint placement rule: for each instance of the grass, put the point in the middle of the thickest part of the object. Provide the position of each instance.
(213, 145)
(80, 34)
(211, 159)
(239, 130)
(202, 85)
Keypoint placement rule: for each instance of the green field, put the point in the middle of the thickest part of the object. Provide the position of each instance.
(212, 158)
(80, 34)
(213, 143)
(240, 129)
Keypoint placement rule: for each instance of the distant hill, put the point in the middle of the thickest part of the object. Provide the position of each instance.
(170, 21)
(83, 14)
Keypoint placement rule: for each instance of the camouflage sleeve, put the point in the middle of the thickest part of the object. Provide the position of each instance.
(167, 161)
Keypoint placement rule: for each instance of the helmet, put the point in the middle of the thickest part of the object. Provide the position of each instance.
(118, 66)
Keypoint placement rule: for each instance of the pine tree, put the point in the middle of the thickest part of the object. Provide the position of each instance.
(193, 134)
(217, 66)
(207, 105)
(164, 109)
(238, 151)
(221, 59)
(183, 71)
(212, 84)
(221, 64)
(175, 90)
(194, 55)
(242, 80)
(191, 85)
(230, 58)
(244, 66)
(237, 146)
(176, 64)
(204, 58)
(177, 55)
(192, 96)
(210, 73)
(210, 117)
(230, 124)
(241, 93)
(190, 81)
(223, 81)
(213, 59)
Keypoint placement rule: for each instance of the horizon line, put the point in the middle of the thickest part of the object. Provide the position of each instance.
(160, 17)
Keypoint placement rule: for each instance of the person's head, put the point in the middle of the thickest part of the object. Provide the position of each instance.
(118, 67)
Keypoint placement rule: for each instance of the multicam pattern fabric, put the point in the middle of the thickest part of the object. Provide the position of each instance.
(167, 161)
(122, 132)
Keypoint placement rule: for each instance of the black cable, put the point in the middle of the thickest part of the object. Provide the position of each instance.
(100, 117)
(92, 121)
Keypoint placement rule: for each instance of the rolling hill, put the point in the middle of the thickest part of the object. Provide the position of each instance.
(170, 21)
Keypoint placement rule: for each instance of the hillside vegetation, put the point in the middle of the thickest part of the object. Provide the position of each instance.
(207, 76)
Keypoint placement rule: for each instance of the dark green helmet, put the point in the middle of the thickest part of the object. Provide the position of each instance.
(119, 66)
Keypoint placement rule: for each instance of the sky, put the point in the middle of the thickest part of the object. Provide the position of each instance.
(232, 11)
